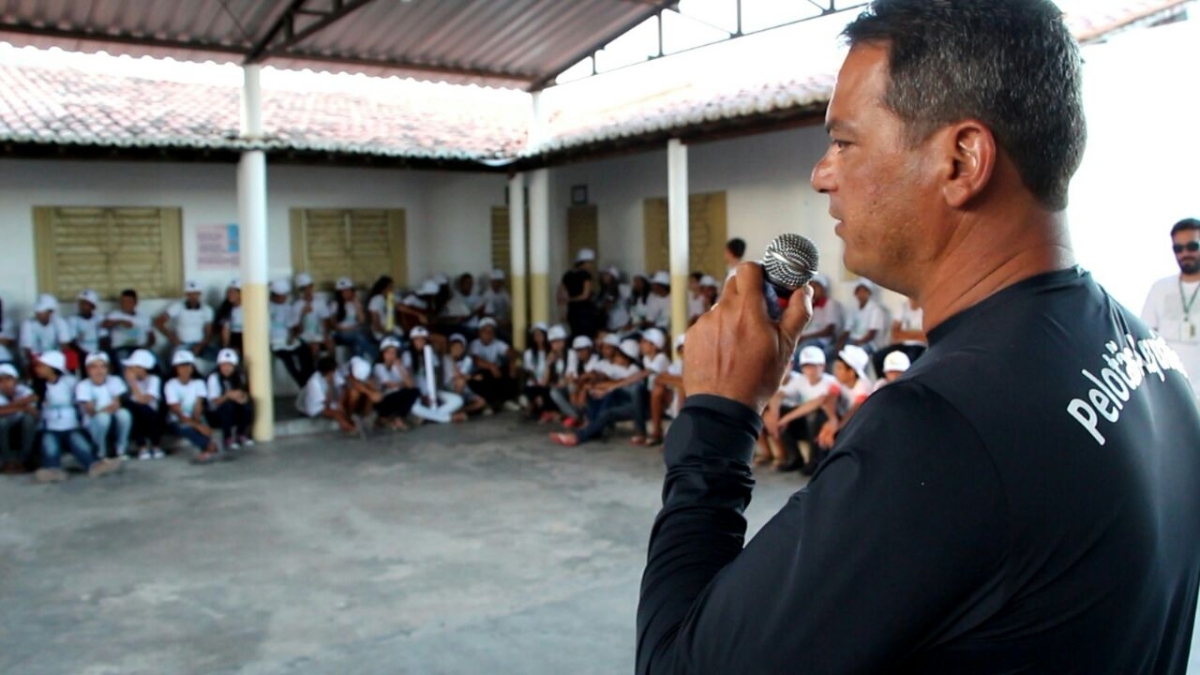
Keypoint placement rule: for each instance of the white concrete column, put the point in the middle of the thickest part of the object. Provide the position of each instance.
(252, 235)
(677, 232)
(516, 247)
(539, 245)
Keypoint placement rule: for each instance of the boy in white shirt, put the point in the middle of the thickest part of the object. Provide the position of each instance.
(322, 394)
(850, 369)
(188, 324)
(827, 322)
(895, 365)
(497, 303)
(666, 394)
(611, 401)
(495, 377)
(655, 362)
(142, 401)
(185, 395)
(60, 424)
(86, 327)
(286, 344)
(865, 326)
(18, 417)
(658, 303)
(310, 320)
(99, 394)
(797, 414)
(127, 330)
(45, 331)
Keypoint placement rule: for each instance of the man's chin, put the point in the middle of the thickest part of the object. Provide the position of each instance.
(1190, 269)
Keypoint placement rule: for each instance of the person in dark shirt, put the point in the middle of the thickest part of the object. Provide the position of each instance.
(577, 291)
(1026, 498)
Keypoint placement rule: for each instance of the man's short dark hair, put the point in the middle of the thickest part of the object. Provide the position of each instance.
(737, 247)
(1185, 225)
(129, 293)
(1011, 64)
(326, 365)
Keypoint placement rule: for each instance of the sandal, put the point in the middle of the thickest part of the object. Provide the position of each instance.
(569, 440)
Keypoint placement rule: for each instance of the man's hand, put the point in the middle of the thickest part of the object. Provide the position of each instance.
(735, 351)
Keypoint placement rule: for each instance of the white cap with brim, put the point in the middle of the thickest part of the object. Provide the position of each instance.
(497, 275)
(45, 303)
(140, 358)
(458, 337)
(55, 359)
(556, 333)
(183, 357)
(661, 278)
(418, 332)
(344, 283)
(304, 280)
(88, 295)
(227, 356)
(857, 358)
(680, 340)
(655, 337)
(709, 281)
(192, 286)
(428, 288)
(235, 283)
(389, 343)
(537, 325)
(585, 255)
(9, 370)
(812, 356)
(489, 322)
(865, 283)
(612, 339)
(281, 287)
(896, 362)
(582, 342)
(95, 357)
(631, 349)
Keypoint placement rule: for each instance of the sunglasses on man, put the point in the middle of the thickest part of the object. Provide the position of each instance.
(1190, 247)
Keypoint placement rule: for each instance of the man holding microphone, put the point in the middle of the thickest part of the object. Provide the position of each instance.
(1027, 497)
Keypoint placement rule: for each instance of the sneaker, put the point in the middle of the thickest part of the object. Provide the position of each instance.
(231, 444)
(158, 453)
(488, 412)
(104, 467)
(50, 475)
(145, 454)
(124, 456)
(244, 441)
(512, 406)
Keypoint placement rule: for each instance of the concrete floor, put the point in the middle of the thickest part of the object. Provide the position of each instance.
(474, 549)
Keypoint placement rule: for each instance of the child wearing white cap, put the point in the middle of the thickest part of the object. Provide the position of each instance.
(127, 330)
(908, 336)
(457, 374)
(536, 365)
(666, 394)
(99, 395)
(654, 362)
(18, 421)
(657, 311)
(556, 382)
(142, 401)
(322, 395)
(797, 414)
(284, 333)
(186, 395)
(850, 369)
(436, 402)
(228, 318)
(865, 324)
(86, 327)
(349, 321)
(310, 320)
(229, 406)
(397, 384)
(894, 365)
(581, 364)
(495, 376)
(45, 331)
(359, 393)
(614, 400)
(497, 303)
(60, 423)
(188, 324)
(827, 320)
(576, 291)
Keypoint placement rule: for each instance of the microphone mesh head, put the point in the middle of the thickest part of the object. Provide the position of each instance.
(790, 261)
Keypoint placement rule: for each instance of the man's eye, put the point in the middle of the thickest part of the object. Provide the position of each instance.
(840, 145)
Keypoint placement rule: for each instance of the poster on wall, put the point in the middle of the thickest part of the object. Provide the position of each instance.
(217, 247)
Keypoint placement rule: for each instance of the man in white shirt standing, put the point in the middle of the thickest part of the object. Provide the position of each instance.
(828, 318)
(190, 323)
(866, 322)
(1171, 307)
(497, 303)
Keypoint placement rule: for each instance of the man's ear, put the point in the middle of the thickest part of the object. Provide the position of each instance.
(969, 151)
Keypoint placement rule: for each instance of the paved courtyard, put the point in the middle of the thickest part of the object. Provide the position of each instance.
(474, 549)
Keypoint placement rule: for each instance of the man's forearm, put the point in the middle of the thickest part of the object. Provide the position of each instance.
(701, 528)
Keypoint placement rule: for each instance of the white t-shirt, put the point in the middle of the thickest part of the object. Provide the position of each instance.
(848, 397)
(912, 319)
(492, 353)
(235, 319)
(312, 398)
(38, 337)
(282, 321)
(797, 390)
(1164, 313)
(350, 322)
(189, 323)
(8, 330)
(535, 365)
(311, 324)
(617, 373)
(695, 305)
(59, 412)
(134, 336)
(100, 395)
(378, 305)
(865, 319)
(472, 303)
(87, 332)
(185, 395)
(573, 369)
(601, 366)
(618, 314)
(388, 378)
(19, 392)
(215, 387)
(658, 310)
(152, 387)
(829, 314)
(659, 363)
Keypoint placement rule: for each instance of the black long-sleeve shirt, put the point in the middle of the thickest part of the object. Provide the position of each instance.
(1026, 499)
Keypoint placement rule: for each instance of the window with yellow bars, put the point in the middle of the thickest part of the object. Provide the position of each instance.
(362, 244)
(108, 249)
(706, 234)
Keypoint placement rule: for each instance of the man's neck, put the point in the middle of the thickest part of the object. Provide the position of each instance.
(1189, 278)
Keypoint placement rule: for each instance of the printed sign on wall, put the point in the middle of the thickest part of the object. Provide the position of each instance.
(217, 247)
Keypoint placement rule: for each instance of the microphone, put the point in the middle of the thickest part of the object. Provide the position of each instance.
(788, 263)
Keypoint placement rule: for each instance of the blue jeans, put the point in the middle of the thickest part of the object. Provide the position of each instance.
(191, 435)
(233, 419)
(77, 443)
(623, 404)
(358, 341)
(120, 423)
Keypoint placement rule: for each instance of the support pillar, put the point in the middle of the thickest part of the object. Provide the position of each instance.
(539, 246)
(678, 233)
(252, 235)
(516, 248)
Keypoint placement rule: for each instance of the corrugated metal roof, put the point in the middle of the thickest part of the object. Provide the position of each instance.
(509, 43)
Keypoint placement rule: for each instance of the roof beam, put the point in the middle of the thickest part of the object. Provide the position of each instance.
(269, 45)
(20, 28)
(414, 66)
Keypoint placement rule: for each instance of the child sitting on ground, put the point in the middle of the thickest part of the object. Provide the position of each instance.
(60, 423)
(100, 397)
(322, 395)
(185, 395)
(229, 405)
(142, 402)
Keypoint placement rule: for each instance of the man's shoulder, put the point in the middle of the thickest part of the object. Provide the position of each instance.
(1164, 285)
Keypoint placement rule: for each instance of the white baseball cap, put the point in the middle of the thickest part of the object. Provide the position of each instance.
(631, 349)
(281, 287)
(556, 333)
(183, 357)
(489, 321)
(458, 337)
(896, 362)
(709, 281)
(429, 287)
(856, 357)
(235, 283)
(661, 278)
(418, 332)
(497, 275)
(360, 368)
(865, 283)
(680, 340)
(614, 271)
(45, 303)
(655, 337)
(812, 356)
(227, 356)
(537, 325)
(303, 280)
(585, 255)
(612, 339)
(55, 359)
(88, 295)
(140, 358)
(192, 286)
(9, 370)
(389, 343)
(95, 357)
(344, 283)
(582, 342)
